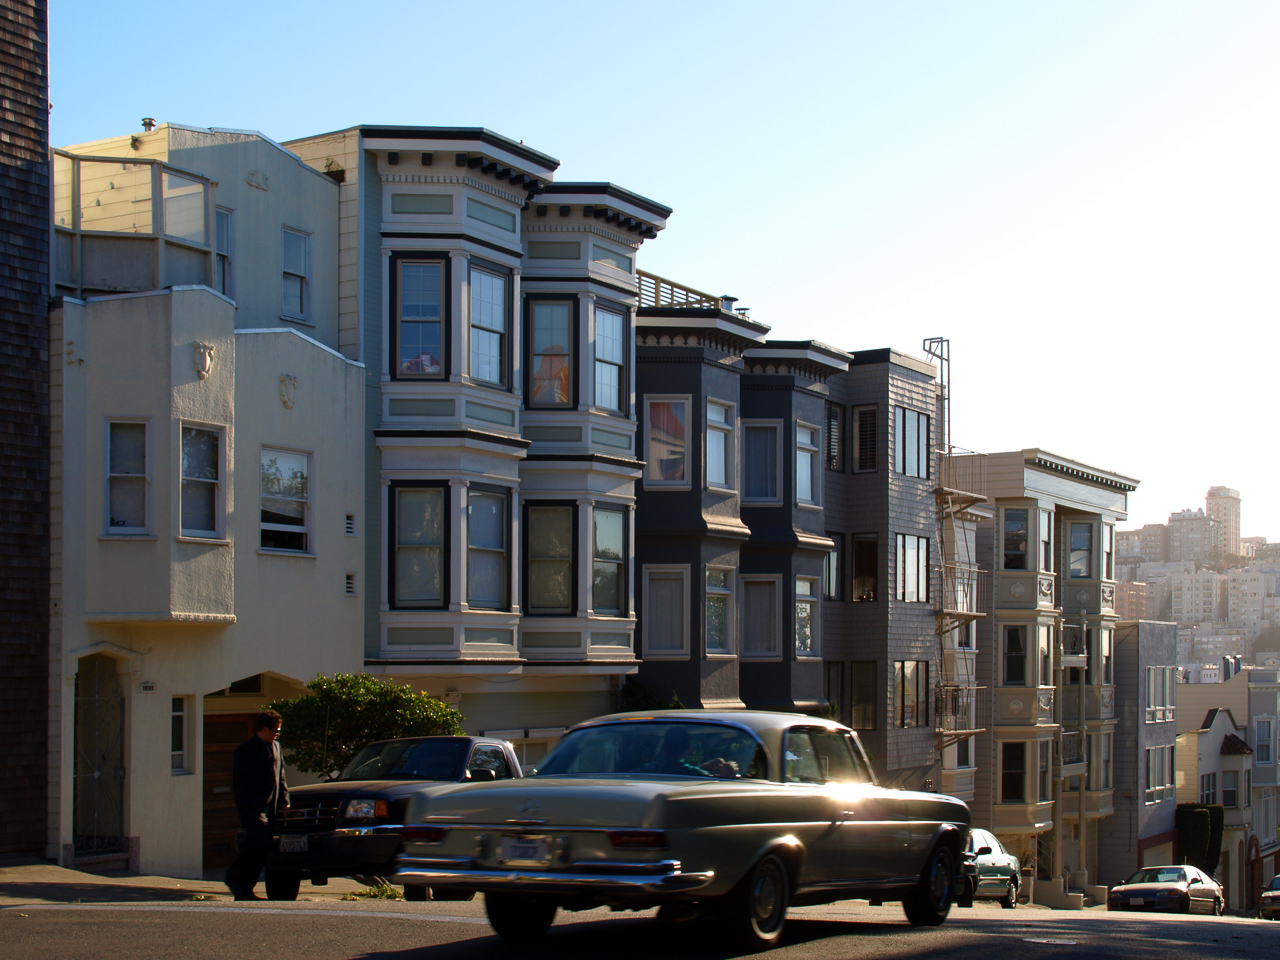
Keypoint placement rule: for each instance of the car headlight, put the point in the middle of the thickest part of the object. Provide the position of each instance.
(365, 809)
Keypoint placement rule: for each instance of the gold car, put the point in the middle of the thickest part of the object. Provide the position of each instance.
(733, 815)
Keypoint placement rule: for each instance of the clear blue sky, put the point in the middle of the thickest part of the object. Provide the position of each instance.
(1081, 195)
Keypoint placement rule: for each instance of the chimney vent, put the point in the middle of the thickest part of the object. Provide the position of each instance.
(148, 124)
(727, 302)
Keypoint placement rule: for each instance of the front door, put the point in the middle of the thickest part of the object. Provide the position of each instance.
(98, 775)
(223, 732)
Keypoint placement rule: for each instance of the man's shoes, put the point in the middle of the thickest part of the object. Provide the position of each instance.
(240, 892)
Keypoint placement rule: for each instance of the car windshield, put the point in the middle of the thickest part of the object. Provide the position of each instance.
(434, 759)
(1159, 875)
(652, 747)
(1275, 884)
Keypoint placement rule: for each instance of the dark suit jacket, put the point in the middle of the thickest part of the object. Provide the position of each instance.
(257, 777)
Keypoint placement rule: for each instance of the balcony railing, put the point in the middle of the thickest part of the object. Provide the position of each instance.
(964, 476)
(1071, 750)
(658, 292)
(960, 710)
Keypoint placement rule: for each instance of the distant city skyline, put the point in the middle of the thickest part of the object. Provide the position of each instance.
(1078, 195)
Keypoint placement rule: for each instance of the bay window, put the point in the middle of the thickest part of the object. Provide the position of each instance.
(551, 343)
(201, 482)
(489, 336)
(419, 556)
(419, 319)
(608, 561)
(611, 354)
(549, 547)
(488, 549)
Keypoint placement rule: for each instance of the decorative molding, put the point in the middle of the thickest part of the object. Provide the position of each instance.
(1015, 706)
(258, 180)
(1108, 596)
(203, 359)
(1046, 702)
(1107, 697)
(440, 178)
(1046, 588)
(288, 390)
(1016, 590)
(1082, 596)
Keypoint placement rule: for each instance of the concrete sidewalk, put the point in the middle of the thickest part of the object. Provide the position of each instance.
(32, 880)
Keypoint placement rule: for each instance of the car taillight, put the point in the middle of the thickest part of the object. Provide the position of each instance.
(638, 839)
(421, 833)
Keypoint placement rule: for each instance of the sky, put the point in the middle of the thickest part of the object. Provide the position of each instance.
(1079, 195)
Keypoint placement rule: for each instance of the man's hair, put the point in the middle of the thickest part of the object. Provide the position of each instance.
(267, 718)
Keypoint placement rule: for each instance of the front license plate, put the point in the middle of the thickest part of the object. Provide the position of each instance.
(525, 850)
(1136, 901)
(295, 844)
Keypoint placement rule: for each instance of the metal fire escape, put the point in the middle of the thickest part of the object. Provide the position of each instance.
(960, 709)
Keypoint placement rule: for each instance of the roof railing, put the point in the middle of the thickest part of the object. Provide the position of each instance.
(656, 291)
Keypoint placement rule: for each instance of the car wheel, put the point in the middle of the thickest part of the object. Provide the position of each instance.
(1185, 905)
(1010, 900)
(283, 884)
(415, 893)
(517, 917)
(929, 901)
(1219, 906)
(452, 895)
(756, 909)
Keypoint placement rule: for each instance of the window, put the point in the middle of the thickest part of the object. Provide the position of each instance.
(222, 242)
(127, 480)
(550, 541)
(1045, 633)
(807, 476)
(612, 258)
(1046, 541)
(666, 602)
(1160, 693)
(866, 562)
(964, 752)
(913, 569)
(610, 359)
(832, 567)
(178, 735)
(1208, 788)
(760, 462)
(420, 558)
(1262, 741)
(1013, 772)
(1106, 760)
(910, 442)
(911, 691)
(759, 618)
(833, 689)
(418, 203)
(551, 347)
(420, 319)
(1105, 644)
(864, 442)
(1230, 788)
(296, 298)
(834, 451)
(719, 609)
(1160, 771)
(668, 452)
(719, 444)
(201, 472)
(806, 625)
(1015, 539)
(1043, 782)
(488, 327)
(608, 559)
(862, 694)
(285, 497)
(1081, 550)
(183, 208)
(815, 756)
(1015, 656)
(1108, 551)
(487, 756)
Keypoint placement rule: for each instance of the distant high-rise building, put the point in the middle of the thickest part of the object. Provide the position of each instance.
(1193, 536)
(1223, 505)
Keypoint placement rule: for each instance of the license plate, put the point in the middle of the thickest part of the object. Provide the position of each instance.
(295, 844)
(1136, 901)
(525, 850)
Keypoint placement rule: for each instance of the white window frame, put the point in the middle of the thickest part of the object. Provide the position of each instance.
(1044, 537)
(305, 315)
(504, 603)
(179, 724)
(722, 432)
(1160, 695)
(1233, 790)
(219, 493)
(686, 482)
(900, 460)
(900, 571)
(305, 529)
(775, 580)
(728, 595)
(1160, 766)
(681, 570)
(1209, 787)
(811, 451)
(620, 365)
(811, 600)
(108, 476)
(225, 259)
(1262, 742)
(503, 331)
(777, 499)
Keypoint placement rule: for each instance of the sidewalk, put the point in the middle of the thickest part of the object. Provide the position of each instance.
(32, 880)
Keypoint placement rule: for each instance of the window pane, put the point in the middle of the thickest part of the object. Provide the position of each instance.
(865, 563)
(910, 546)
(419, 546)
(608, 336)
(486, 355)
(608, 386)
(292, 299)
(550, 586)
(488, 300)
(866, 439)
(284, 474)
(922, 463)
(486, 520)
(183, 208)
(910, 443)
(222, 239)
(199, 454)
(717, 623)
(420, 516)
(608, 549)
(486, 578)
(665, 609)
(899, 439)
(295, 253)
(1015, 539)
(717, 454)
(759, 617)
(1081, 550)
(419, 575)
(760, 462)
(128, 448)
(804, 628)
(419, 329)
(666, 440)
(199, 506)
(608, 534)
(128, 502)
(551, 351)
(1012, 782)
(804, 475)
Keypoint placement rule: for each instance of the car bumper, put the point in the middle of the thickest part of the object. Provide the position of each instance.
(341, 852)
(1173, 904)
(1269, 911)
(596, 878)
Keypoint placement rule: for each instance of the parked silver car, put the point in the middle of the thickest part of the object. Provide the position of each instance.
(1270, 908)
(999, 871)
(1179, 888)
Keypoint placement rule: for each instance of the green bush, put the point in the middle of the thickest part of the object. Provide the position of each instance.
(634, 695)
(322, 730)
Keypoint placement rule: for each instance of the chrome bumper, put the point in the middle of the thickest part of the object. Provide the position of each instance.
(605, 878)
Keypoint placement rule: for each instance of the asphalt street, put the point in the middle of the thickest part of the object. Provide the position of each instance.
(377, 930)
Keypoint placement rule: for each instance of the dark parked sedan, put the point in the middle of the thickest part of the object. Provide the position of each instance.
(1270, 907)
(350, 826)
(1180, 888)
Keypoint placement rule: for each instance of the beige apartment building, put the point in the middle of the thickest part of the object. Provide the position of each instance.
(1197, 597)
(206, 481)
(1222, 504)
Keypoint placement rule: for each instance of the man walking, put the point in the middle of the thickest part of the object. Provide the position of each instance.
(257, 778)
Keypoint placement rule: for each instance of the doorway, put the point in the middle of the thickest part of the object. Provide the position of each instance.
(223, 732)
(98, 772)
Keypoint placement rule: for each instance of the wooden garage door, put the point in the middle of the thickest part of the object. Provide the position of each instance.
(223, 732)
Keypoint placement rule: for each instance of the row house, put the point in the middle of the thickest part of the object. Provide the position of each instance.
(206, 438)
(1048, 657)
(494, 311)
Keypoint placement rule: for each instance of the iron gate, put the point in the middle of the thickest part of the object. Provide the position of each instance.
(99, 757)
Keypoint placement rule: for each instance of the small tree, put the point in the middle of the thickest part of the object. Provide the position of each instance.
(324, 729)
(634, 695)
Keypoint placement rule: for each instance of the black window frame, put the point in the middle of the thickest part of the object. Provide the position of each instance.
(922, 443)
(398, 259)
(445, 546)
(922, 714)
(833, 581)
(863, 446)
(529, 300)
(1018, 657)
(526, 594)
(833, 446)
(854, 567)
(1007, 772)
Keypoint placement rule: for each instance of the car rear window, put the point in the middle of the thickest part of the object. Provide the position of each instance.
(821, 756)
(659, 749)
(433, 759)
(1159, 875)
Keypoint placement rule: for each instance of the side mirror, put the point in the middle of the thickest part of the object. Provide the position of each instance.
(1194, 880)
(984, 851)
(481, 775)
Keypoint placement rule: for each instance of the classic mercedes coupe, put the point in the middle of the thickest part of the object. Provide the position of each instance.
(730, 815)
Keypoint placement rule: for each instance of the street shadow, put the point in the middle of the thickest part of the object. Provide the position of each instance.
(92, 892)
